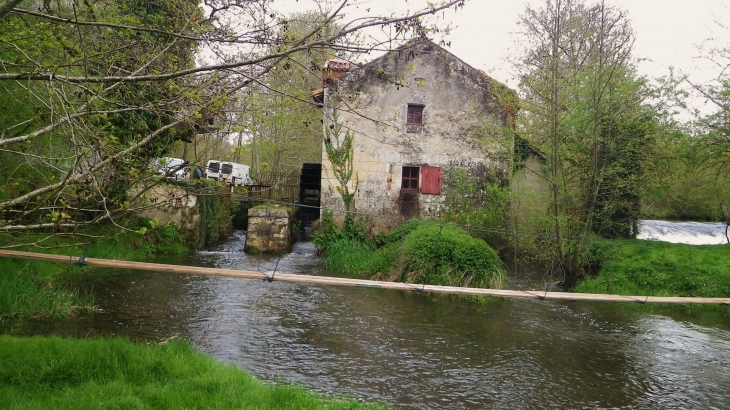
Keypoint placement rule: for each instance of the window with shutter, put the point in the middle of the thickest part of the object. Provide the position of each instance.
(431, 180)
(410, 179)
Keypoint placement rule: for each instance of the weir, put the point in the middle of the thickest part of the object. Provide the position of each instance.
(334, 281)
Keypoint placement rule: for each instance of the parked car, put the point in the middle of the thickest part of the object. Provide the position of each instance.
(172, 167)
(213, 169)
(236, 174)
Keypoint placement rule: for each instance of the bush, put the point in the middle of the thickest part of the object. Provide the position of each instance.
(415, 252)
(329, 234)
(439, 255)
(239, 215)
(480, 200)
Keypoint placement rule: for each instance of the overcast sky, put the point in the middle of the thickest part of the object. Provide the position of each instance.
(667, 31)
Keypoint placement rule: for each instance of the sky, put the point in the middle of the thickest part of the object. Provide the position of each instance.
(667, 31)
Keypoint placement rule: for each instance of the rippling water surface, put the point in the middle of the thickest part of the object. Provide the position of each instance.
(419, 351)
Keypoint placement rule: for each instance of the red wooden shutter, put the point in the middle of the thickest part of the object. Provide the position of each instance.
(431, 180)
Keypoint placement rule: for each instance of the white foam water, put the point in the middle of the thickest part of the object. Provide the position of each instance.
(692, 233)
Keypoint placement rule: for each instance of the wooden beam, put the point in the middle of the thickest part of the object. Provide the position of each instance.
(334, 281)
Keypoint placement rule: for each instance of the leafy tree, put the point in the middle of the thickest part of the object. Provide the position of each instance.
(282, 120)
(98, 88)
(716, 124)
(583, 106)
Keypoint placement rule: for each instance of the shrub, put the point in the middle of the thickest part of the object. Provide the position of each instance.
(439, 255)
(415, 252)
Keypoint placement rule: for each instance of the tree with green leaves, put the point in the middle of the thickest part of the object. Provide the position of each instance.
(583, 106)
(97, 89)
(281, 119)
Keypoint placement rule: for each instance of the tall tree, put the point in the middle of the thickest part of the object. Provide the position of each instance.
(282, 120)
(715, 123)
(583, 106)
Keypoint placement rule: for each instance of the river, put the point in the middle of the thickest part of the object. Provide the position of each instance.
(417, 351)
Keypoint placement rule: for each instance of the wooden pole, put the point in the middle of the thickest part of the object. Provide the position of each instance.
(324, 280)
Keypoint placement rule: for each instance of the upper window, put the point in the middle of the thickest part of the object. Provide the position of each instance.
(415, 115)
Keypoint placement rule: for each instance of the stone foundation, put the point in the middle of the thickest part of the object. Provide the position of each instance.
(268, 231)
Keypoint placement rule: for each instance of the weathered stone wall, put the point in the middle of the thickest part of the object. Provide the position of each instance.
(463, 127)
(268, 231)
(168, 203)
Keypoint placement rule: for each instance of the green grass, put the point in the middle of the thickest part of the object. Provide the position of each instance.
(55, 373)
(653, 268)
(349, 256)
(35, 289)
(28, 290)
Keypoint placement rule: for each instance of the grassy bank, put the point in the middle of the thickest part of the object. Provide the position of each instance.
(43, 373)
(415, 252)
(36, 289)
(636, 267)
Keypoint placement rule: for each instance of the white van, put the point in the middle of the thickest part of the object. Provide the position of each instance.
(166, 164)
(213, 170)
(236, 174)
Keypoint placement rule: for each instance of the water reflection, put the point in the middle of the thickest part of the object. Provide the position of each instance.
(418, 351)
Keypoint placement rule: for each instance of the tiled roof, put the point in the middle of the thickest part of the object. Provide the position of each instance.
(337, 65)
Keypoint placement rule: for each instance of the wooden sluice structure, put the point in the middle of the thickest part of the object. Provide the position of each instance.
(334, 281)
(274, 186)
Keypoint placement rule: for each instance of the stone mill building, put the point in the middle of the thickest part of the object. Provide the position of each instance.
(415, 115)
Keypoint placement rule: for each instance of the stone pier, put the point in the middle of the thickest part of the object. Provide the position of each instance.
(268, 231)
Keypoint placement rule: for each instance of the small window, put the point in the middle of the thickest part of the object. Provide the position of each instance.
(410, 179)
(415, 115)
(226, 168)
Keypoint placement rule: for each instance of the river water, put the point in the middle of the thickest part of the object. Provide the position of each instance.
(417, 351)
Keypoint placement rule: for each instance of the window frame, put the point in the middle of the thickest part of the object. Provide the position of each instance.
(411, 118)
(410, 178)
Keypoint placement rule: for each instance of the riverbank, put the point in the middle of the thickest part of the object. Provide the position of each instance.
(640, 267)
(50, 372)
(36, 289)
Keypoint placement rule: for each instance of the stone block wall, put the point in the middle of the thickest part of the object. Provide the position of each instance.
(171, 204)
(268, 231)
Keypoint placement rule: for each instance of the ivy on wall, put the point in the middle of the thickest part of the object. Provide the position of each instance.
(214, 208)
(340, 154)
